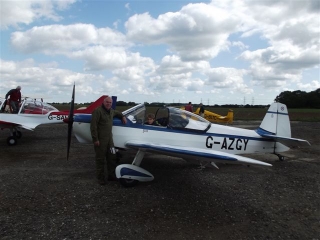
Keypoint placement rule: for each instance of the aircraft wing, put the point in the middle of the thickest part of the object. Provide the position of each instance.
(28, 126)
(209, 155)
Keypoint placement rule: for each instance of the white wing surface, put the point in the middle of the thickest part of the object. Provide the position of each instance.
(203, 154)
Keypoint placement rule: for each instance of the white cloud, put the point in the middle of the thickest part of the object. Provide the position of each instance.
(53, 82)
(214, 47)
(197, 32)
(15, 12)
(313, 85)
(63, 39)
(173, 65)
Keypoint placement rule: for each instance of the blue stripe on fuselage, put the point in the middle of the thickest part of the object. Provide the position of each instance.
(263, 132)
(83, 118)
(86, 118)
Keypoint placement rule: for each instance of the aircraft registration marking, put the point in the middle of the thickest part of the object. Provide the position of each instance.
(228, 143)
(210, 117)
(57, 117)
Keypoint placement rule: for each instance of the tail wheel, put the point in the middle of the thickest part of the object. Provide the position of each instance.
(128, 182)
(12, 140)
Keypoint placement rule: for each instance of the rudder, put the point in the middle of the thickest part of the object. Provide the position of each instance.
(96, 104)
(276, 121)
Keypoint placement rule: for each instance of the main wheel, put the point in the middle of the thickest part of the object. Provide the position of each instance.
(128, 182)
(12, 140)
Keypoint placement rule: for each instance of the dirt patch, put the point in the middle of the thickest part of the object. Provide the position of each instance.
(42, 195)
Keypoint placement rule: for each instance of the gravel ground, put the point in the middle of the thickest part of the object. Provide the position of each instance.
(44, 196)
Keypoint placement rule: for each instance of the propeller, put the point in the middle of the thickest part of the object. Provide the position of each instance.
(70, 120)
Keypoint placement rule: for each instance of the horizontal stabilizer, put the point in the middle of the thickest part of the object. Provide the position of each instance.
(204, 154)
(285, 139)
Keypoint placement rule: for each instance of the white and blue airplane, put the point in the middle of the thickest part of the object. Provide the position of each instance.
(189, 136)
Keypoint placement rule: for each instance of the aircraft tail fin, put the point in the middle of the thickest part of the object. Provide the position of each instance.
(276, 121)
(92, 106)
(276, 125)
(96, 104)
(230, 116)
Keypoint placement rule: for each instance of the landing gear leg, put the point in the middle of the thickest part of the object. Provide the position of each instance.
(281, 158)
(138, 158)
(17, 134)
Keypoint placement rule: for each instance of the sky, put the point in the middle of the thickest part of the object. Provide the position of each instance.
(214, 52)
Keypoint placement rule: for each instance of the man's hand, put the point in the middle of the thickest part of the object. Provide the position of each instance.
(124, 120)
(97, 143)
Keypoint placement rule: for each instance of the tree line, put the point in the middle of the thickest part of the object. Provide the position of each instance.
(294, 99)
(300, 99)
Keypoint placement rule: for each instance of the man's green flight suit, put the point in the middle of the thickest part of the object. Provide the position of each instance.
(101, 130)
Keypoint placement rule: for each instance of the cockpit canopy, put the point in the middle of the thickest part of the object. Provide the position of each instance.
(30, 106)
(169, 117)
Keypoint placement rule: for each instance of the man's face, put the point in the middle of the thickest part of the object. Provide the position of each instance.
(107, 102)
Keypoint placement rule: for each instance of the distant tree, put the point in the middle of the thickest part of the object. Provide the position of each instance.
(157, 104)
(121, 103)
(313, 99)
(300, 99)
(131, 104)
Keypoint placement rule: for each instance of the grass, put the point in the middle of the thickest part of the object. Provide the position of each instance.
(244, 114)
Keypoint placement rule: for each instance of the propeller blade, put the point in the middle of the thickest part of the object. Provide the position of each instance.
(70, 120)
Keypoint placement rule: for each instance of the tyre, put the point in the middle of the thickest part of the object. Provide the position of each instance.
(128, 182)
(11, 140)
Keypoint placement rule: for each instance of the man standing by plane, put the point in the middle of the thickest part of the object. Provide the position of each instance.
(101, 133)
(189, 107)
(15, 99)
(201, 111)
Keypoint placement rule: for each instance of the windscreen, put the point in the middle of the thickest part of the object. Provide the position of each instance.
(181, 119)
(30, 106)
(136, 114)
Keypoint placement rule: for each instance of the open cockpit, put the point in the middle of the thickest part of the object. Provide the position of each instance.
(169, 117)
(27, 106)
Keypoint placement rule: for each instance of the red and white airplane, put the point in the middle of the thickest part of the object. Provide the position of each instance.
(32, 113)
